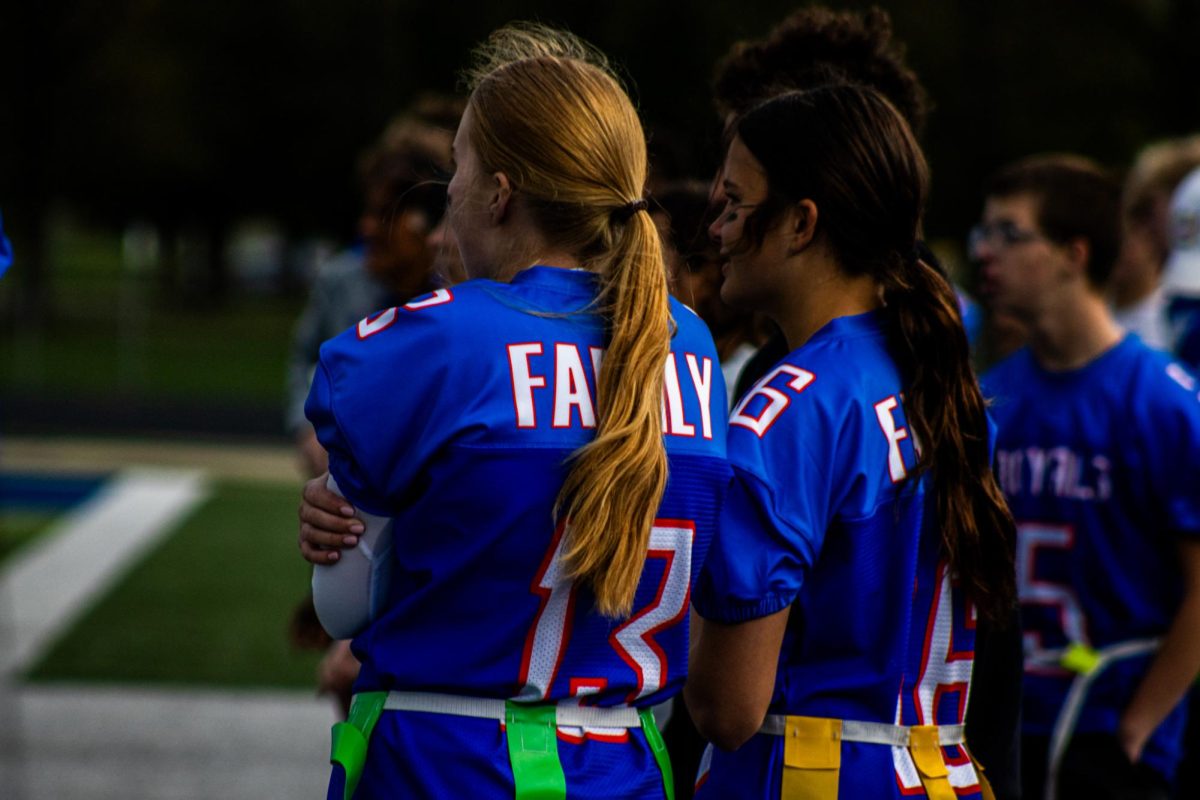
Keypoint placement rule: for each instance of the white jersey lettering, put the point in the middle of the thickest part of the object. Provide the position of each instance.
(777, 401)
(438, 298)
(1055, 471)
(1034, 538)
(547, 640)
(894, 435)
(369, 326)
(523, 383)
(702, 380)
(671, 541)
(1037, 469)
(546, 643)
(571, 388)
(674, 422)
(945, 672)
(1180, 375)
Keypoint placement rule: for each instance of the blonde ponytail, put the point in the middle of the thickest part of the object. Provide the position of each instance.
(616, 481)
(547, 111)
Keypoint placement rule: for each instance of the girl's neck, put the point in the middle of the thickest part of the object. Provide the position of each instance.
(518, 243)
(827, 298)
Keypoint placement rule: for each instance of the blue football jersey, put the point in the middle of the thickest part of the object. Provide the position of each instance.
(823, 517)
(972, 316)
(456, 415)
(1101, 467)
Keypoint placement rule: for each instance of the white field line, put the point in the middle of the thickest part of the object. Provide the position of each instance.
(49, 584)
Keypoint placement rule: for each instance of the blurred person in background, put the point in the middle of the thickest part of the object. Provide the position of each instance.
(1001, 332)
(816, 46)
(1138, 299)
(403, 179)
(812, 47)
(1182, 279)
(1098, 451)
(681, 212)
(1182, 298)
(1001, 335)
(401, 253)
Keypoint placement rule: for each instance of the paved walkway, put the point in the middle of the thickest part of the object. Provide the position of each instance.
(89, 743)
(96, 743)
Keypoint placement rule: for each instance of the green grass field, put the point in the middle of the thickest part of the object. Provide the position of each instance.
(18, 528)
(211, 605)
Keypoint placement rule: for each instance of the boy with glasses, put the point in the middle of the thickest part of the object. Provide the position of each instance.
(1098, 453)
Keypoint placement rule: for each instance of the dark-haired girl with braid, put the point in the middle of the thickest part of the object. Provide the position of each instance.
(865, 533)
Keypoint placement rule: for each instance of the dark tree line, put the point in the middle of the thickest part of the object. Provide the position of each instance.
(199, 114)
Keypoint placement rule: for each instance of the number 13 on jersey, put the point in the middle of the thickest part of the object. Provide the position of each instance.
(633, 640)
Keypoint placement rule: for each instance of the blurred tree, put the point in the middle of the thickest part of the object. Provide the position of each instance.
(39, 54)
(194, 115)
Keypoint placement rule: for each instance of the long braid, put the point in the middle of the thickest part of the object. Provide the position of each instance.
(947, 414)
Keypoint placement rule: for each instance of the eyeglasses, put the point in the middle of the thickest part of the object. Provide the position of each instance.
(1002, 234)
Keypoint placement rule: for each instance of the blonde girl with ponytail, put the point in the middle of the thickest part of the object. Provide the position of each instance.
(537, 456)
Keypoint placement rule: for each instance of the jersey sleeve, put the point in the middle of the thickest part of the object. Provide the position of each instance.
(375, 402)
(772, 526)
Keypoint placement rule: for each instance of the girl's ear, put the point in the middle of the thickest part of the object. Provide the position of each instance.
(502, 192)
(801, 222)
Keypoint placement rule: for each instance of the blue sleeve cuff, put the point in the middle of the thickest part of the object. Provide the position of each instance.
(732, 614)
